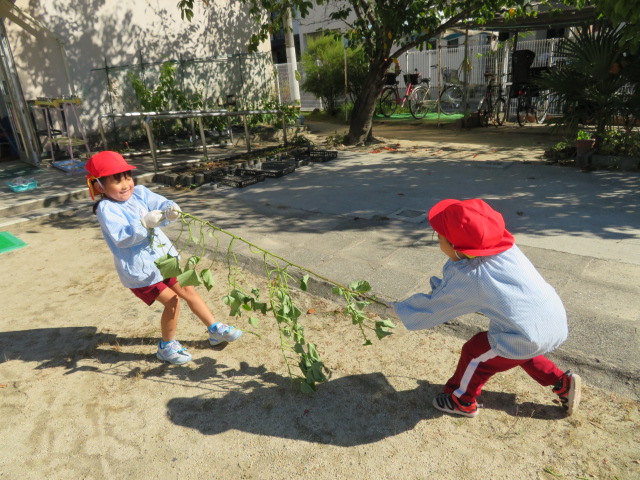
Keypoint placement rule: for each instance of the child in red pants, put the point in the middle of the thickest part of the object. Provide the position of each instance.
(487, 273)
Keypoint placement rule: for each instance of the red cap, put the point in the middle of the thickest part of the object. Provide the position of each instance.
(104, 164)
(107, 163)
(472, 226)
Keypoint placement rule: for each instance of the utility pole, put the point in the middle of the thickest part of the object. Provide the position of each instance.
(291, 58)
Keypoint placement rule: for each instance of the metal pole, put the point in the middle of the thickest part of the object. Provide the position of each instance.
(102, 134)
(204, 140)
(113, 120)
(152, 145)
(246, 132)
(284, 129)
(465, 77)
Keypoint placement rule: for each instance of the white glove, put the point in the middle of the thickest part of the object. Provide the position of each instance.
(152, 219)
(173, 212)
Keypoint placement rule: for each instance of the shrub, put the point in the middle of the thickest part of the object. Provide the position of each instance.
(324, 67)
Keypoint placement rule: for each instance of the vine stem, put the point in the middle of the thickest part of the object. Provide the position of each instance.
(266, 252)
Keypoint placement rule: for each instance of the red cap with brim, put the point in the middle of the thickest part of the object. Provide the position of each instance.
(104, 164)
(472, 226)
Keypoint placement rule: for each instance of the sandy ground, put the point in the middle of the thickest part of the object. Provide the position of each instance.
(83, 396)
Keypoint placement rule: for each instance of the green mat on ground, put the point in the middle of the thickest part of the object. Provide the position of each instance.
(429, 116)
(9, 242)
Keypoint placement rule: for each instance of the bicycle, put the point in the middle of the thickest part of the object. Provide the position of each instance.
(417, 94)
(451, 95)
(531, 103)
(490, 110)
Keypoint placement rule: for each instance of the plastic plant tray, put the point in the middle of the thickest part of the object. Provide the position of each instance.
(70, 166)
(23, 187)
(322, 155)
(241, 179)
(273, 169)
(298, 160)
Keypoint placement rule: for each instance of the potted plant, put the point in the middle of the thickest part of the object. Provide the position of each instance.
(584, 142)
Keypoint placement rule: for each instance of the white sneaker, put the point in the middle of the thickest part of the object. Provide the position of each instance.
(221, 332)
(174, 353)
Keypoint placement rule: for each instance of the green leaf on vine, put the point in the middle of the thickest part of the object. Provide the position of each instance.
(169, 266)
(189, 278)
(253, 321)
(258, 306)
(360, 286)
(236, 300)
(386, 322)
(306, 388)
(207, 278)
(304, 282)
(192, 262)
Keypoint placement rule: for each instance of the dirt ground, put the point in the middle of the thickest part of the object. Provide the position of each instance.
(83, 396)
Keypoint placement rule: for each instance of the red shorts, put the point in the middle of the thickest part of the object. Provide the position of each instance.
(150, 293)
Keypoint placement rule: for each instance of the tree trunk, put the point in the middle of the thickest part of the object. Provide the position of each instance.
(360, 128)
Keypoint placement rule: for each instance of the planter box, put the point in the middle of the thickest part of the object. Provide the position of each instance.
(584, 146)
(242, 179)
(299, 161)
(322, 155)
(627, 164)
(272, 169)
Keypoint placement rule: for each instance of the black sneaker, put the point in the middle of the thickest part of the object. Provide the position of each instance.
(568, 390)
(449, 403)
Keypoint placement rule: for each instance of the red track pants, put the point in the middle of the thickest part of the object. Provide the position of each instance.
(479, 362)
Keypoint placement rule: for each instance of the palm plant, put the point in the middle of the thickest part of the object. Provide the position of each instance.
(591, 82)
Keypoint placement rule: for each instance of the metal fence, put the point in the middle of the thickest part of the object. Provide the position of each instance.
(481, 58)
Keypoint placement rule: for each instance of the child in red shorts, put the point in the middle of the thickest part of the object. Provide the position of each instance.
(126, 214)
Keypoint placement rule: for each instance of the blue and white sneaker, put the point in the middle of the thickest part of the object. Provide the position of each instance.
(221, 332)
(174, 353)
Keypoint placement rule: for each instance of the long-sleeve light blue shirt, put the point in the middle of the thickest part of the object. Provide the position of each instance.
(133, 249)
(526, 315)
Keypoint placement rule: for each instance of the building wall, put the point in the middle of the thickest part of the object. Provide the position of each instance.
(122, 35)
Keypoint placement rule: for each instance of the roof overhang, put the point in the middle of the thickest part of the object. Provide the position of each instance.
(541, 21)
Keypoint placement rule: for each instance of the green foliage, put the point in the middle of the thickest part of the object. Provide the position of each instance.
(356, 303)
(167, 95)
(582, 135)
(281, 275)
(595, 83)
(290, 112)
(621, 143)
(324, 66)
(623, 12)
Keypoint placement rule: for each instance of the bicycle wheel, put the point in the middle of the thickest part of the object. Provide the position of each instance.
(388, 102)
(451, 99)
(541, 106)
(500, 111)
(420, 102)
(522, 110)
(483, 113)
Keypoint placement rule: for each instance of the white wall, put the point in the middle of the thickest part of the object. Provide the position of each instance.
(120, 30)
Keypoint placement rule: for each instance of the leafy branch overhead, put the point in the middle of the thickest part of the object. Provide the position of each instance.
(281, 276)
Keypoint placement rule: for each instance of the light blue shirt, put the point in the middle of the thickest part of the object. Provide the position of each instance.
(526, 315)
(133, 249)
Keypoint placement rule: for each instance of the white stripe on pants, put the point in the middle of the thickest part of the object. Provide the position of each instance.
(471, 370)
